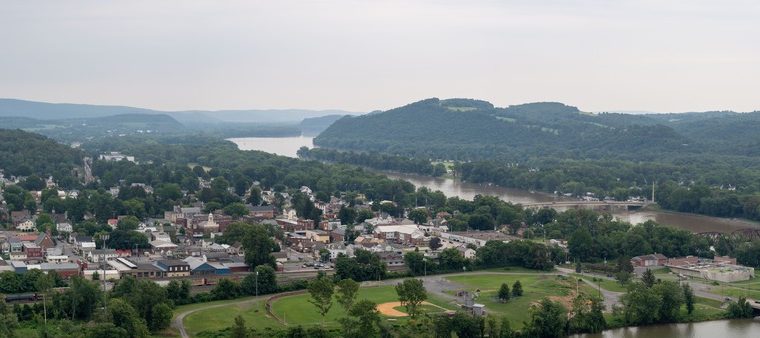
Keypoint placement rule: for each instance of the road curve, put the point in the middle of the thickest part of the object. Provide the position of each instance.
(179, 321)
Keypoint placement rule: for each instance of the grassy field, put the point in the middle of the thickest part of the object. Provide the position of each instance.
(535, 288)
(292, 310)
(219, 318)
(297, 309)
(607, 284)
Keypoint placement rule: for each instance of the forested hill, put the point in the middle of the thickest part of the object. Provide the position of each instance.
(464, 129)
(25, 154)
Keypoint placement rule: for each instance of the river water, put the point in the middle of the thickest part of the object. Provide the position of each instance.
(287, 146)
(735, 328)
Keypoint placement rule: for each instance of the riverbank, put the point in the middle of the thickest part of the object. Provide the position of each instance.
(454, 187)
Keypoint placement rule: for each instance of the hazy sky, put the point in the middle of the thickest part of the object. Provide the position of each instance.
(600, 55)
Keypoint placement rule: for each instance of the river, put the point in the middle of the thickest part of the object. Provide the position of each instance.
(287, 146)
(735, 328)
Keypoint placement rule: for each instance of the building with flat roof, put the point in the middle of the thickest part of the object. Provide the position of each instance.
(720, 269)
(477, 238)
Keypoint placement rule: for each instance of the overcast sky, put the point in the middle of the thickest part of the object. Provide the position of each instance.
(600, 55)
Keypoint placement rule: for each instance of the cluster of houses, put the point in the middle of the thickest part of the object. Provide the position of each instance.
(190, 252)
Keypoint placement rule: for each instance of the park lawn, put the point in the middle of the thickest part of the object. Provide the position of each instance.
(218, 318)
(735, 291)
(296, 310)
(422, 309)
(607, 284)
(535, 287)
(516, 269)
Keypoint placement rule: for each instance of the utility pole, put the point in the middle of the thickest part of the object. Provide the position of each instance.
(257, 283)
(653, 191)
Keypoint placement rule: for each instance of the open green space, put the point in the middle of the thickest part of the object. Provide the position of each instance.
(218, 318)
(607, 284)
(535, 287)
(297, 310)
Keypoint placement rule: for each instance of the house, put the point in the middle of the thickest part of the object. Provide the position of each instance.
(401, 234)
(468, 253)
(477, 238)
(261, 211)
(280, 256)
(101, 255)
(45, 240)
(64, 227)
(32, 251)
(392, 258)
(65, 270)
(199, 266)
(649, 260)
(84, 244)
(338, 235)
(26, 225)
(174, 268)
(318, 236)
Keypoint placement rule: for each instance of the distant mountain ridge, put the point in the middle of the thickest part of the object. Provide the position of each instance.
(58, 111)
(467, 129)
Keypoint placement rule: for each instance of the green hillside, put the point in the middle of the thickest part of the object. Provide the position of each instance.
(24, 154)
(462, 129)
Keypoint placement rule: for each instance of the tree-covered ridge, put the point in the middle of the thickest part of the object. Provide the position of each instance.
(25, 154)
(471, 130)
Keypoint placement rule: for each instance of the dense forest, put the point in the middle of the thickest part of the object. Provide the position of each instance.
(26, 154)
(696, 162)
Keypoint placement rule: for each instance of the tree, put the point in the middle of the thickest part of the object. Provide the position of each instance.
(236, 210)
(161, 317)
(109, 330)
(504, 293)
(640, 305)
(346, 294)
(418, 215)
(225, 289)
(671, 300)
(178, 291)
(435, 243)
(362, 215)
(411, 293)
(367, 318)
(739, 309)
(124, 316)
(624, 264)
(239, 330)
(581, 244)
(623, 277)
(128, 223)
(688, 296)
(517, 289)
(547, 319)
(587, 315)
(266, 279)
(254, 197)
(415, 261)
(321, 292)
(258, 246)
(505, 331)
(347, 215)
(648, 278)
(8, 320)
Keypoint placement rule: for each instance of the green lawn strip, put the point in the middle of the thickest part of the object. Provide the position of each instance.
(734, 291)
(535, 288)
(515, 269)
(607, 284)
(218, 318)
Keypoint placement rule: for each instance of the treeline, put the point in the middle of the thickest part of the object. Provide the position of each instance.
(374, 161)
(27, 154)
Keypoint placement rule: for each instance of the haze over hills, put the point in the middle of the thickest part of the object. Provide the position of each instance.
(57, 111)
(74, 122)
(465, 129)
